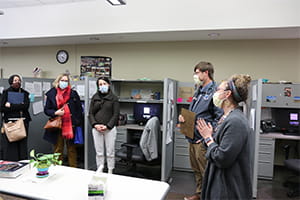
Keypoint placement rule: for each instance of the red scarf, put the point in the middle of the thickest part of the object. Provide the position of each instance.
(62, 97)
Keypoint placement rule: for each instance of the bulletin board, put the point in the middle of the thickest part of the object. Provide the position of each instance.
(95, 66)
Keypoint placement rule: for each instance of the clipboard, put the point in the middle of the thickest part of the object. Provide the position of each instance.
(188, 126)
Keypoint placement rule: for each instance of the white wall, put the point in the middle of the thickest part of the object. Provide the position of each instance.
(99, 17)
(272, 59)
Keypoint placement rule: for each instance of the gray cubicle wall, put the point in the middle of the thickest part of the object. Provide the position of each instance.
(85, 89)
(254, 120)
(36, 130)
(36, 127)
(169, 122)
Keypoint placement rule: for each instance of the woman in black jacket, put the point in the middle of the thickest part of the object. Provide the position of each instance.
(15, 105)
(65, 102)
(103, 115)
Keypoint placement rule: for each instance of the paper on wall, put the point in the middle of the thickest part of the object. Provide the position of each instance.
(46, 86)
(92, 88)
(37, 88)
(254, 92)
(29, 87)
(80, 90)
(252, 118)
(37, 107)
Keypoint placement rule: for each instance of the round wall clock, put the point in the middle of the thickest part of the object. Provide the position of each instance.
(62, 56)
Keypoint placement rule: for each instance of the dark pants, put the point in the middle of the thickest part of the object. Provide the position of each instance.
(14, 151)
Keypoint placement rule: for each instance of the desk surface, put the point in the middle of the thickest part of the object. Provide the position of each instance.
(134, 127)
(72, 183)
(277, 135)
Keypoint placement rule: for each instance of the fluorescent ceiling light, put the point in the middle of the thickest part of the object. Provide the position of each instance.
(117, 2)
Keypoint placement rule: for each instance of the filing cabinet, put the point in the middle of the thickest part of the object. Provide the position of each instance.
(181, 153)
(266, 158)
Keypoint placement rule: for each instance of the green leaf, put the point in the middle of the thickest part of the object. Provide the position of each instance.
(32, 153)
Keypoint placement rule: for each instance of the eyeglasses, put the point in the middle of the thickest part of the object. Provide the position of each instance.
(218, 89)
(64, 80)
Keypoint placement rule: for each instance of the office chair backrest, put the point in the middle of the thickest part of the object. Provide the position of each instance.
(149, 139)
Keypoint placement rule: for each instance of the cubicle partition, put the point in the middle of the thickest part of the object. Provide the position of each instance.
(169, 122)
(254, 120)
(86, 89)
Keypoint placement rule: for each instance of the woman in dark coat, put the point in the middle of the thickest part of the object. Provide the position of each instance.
(12, 111)
(228, 173)
(65, 102)
(103, 115)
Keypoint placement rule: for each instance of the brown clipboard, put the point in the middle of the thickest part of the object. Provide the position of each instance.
(188, 126)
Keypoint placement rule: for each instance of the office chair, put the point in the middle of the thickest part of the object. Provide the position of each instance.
(145, 151)
(293, 165)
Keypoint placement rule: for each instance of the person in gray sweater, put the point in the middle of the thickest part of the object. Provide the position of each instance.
(228, 174)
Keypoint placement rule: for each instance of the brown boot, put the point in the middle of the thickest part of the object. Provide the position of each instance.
(195, 196)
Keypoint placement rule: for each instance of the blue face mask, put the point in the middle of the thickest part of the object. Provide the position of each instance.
(103, 88)
(63, 84)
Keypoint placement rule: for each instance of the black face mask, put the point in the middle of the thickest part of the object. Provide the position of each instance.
(16, 85)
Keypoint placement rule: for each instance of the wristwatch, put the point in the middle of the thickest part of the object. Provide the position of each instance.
(208, 139)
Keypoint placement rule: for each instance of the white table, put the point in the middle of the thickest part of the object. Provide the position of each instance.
(72, 183)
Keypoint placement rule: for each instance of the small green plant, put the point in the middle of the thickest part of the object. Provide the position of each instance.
(41, 160)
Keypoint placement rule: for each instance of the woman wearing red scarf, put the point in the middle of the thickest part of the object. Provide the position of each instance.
(65, 102)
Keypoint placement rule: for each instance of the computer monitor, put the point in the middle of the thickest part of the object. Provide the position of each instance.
(144, 111)
(287, 120)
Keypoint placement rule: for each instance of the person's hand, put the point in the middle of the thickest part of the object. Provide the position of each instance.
(205, 129)
(100, 127)
(103, 128)
(7, 104)
(60, 112)
(181, 119)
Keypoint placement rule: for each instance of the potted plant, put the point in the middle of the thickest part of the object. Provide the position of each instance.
(43, 161)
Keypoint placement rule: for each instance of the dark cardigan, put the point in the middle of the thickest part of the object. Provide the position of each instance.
(104, 109)
(228, 173)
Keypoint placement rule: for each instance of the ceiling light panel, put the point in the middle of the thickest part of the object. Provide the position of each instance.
(24, 3)
(117, 2)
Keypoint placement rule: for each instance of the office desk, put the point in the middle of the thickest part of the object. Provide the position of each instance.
(134, 127)
(72, 183)
(266, 152)
(280, 136)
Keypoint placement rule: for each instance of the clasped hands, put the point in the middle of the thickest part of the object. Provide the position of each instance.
(205, 129)
(100, 127)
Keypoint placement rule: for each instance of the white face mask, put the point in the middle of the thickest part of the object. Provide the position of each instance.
(196, 79)
(63, 84)
(216, 100)
(103, 88)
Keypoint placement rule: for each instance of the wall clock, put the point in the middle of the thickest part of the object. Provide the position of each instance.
(62, 56)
